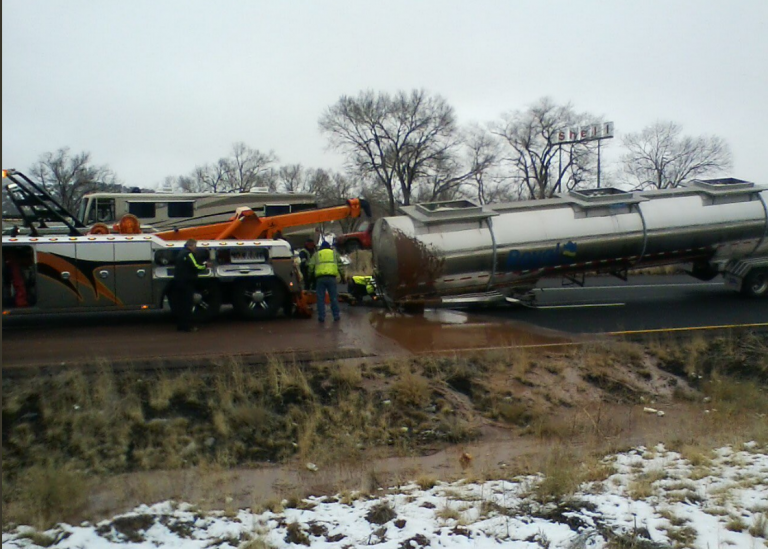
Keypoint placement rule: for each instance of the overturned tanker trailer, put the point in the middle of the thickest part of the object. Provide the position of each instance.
(459, 252)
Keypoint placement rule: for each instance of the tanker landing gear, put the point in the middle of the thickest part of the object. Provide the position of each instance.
(258, 298)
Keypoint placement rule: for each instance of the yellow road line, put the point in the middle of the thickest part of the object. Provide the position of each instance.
(690, 329)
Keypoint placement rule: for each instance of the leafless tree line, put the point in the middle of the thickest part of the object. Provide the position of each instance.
(408, 147)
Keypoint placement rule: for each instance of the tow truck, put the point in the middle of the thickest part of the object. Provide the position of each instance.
(99, 268)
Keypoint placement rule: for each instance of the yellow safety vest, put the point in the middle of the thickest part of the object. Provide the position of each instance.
(324, 263)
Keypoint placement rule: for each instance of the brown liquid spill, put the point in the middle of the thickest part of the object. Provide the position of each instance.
(417, 267)
(445, 330)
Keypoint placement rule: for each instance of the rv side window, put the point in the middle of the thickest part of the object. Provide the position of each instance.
(276, 209)
(181, 209)
(105, 211)
(142, 209)
(302, 207)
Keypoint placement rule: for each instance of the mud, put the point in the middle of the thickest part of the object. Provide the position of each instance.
(55, 340)
(411, 266)
(446, 330)
(501, 452)
(147, 337)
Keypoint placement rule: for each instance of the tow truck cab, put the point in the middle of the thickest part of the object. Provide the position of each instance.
(358, 240)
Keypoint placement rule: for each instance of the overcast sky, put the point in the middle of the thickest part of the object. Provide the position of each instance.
(153, 88)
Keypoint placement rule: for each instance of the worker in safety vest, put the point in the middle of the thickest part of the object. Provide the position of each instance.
(305, 255)
(183, 292)
(325, 267)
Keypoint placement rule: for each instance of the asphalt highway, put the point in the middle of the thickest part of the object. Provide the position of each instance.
(643, 303)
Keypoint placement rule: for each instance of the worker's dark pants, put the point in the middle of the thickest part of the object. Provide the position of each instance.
(308, 282)
(183, 295)
(325, 284)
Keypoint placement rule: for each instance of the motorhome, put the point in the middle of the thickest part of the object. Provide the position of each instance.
(167, 211)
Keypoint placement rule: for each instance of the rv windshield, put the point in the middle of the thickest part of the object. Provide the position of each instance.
(93, 210)
(83, 210)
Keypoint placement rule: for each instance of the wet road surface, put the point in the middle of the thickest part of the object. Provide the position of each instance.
(607, 304)
(149, 335)
(604, 305)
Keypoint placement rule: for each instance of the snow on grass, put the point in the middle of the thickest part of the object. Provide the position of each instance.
(655, 498)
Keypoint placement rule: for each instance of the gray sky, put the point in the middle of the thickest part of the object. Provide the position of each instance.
(154, 87)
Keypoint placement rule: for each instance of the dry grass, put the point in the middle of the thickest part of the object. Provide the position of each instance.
(697, 455)
(447, 512)
(362, 263)
(562, 475)
(426, 482)
(759, 527)
(63, 431)
(642, 486)
(411, 390)
(45, 495)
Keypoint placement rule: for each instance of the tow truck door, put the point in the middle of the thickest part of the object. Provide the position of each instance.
(57, 276)
(133, 272)
(96, 261)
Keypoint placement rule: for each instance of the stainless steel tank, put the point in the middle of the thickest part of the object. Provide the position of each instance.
(457, 248)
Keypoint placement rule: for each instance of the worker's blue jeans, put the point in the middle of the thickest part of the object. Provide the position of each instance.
(327, 284)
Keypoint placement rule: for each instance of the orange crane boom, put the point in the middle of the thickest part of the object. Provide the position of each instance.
(246, 225)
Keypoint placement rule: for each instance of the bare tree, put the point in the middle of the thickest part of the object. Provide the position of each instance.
(244, 169)
(69, 177)
(291, 178)
(660, 157)
(246, 166)
(537, 162)
(399, 141)
(487, 183)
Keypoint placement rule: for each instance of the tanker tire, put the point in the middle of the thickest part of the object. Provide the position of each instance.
(755, 283)
(207, 303)
(258, 298)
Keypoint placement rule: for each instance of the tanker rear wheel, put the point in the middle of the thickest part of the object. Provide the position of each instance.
(258, 298)
(755, 283)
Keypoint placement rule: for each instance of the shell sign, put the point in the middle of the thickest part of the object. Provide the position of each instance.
(584, 133)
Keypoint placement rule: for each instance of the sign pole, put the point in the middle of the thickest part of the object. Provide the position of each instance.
(598, 163)
(583, 134)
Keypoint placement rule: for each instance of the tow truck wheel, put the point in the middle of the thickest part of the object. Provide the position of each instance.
(206, 302)
(756, 283)
(258, 298)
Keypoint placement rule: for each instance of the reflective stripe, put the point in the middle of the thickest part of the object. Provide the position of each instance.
(195, 263)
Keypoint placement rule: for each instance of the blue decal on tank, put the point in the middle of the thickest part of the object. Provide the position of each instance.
(536, 259)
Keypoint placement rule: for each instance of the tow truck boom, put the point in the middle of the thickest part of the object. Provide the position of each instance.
(246, 225)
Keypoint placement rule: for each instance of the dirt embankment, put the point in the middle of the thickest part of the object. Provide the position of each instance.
(239, 436)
